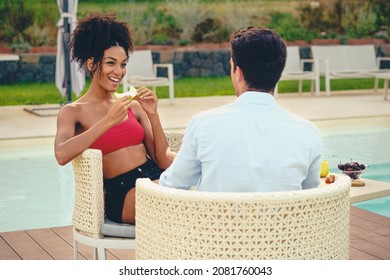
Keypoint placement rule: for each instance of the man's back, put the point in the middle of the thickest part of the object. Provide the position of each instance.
(249, 145)
(252, 144)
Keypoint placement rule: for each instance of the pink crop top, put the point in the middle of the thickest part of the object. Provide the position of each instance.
(124, 134)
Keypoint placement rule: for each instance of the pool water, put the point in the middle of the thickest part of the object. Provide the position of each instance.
(365, 141)
(380, 205)
(362, 140)
(38, 193)
(35, 191)
(369, 149)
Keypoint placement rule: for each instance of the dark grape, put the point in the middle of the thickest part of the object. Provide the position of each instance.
(352, 169)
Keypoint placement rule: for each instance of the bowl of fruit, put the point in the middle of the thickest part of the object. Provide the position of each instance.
(352, 169)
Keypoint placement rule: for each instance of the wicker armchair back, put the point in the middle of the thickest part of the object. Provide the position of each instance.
(180, 224)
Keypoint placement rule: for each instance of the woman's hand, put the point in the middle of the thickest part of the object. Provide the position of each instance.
(147, 99)
(119, 110)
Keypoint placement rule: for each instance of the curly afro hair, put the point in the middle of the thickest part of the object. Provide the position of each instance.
(96, 33)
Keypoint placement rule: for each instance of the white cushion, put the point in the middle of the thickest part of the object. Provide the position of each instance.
(110, 228)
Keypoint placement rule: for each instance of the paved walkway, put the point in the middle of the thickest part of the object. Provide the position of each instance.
(16, 122)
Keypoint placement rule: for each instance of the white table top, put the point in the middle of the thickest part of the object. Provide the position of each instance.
(8, 57)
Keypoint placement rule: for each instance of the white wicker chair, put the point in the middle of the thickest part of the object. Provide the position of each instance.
(89, 223)
(180, 224)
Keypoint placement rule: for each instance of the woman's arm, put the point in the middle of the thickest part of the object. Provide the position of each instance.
(155, 140)
(67, 144)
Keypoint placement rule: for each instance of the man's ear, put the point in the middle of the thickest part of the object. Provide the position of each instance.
(239, 76)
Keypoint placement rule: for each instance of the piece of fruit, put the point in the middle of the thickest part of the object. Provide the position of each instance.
(131, 93)
(352, 169)
(330, 179)
(324, 168)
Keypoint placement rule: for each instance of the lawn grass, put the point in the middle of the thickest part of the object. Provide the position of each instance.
(47, 93)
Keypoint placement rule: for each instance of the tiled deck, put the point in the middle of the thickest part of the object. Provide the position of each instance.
(369, 240)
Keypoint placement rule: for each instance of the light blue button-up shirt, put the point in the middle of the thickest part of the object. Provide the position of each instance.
(250, 145)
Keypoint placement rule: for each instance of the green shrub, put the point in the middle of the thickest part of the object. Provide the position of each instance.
(381, 8)
(188, 14)
(288, 27)
(184, 42)
(19, 18)
(359, 21)
(207, 31)
(354, 19)
(160, 39)
(181, 22)
(365, 25)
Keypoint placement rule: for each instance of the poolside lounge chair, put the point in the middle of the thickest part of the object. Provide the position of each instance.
(294, 70)
(179, 224)
(141, 71)
(386, 78)
(90, 227)
(348, 61)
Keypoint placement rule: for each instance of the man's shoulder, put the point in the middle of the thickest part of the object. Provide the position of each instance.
(300, 120)
(217, 111)
(211, 116)
(309, 125)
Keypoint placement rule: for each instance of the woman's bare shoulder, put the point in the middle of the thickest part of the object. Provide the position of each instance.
(70, 108)
(73, 109)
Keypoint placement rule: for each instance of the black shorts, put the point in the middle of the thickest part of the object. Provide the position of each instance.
(116, 189)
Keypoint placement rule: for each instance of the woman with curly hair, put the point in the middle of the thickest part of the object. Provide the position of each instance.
(128, 132)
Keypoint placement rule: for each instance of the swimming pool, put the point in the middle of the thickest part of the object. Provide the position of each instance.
(379, 205)
(37, 193)
(365, 141)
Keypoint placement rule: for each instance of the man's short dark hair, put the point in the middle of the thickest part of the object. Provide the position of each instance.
(261, 54)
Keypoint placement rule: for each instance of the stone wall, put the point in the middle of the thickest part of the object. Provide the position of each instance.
(30, 68)
(187, 63)
(201, 63)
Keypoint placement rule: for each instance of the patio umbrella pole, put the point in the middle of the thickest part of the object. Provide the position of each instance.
(66, 73)
(48, 111)
(66, 35)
